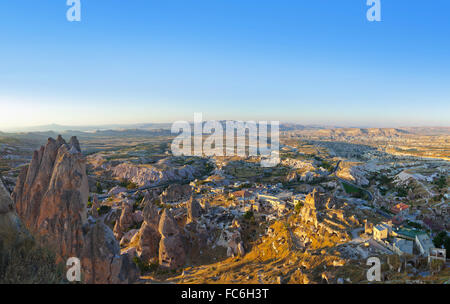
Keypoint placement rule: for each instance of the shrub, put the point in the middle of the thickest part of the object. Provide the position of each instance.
(249, 215)
(99, 188)
(442, 239)
(103, 210)
(298, 207)
(145, 267)
(29, 263)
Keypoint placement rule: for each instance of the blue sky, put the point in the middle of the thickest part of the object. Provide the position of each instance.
(311, 62)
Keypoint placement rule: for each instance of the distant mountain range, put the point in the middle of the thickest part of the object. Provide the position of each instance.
(62, 128)
(146, 129)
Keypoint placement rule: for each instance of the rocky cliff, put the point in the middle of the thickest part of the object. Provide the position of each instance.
(11, 228)
(145, 175)
(149, 236)
(51, 195)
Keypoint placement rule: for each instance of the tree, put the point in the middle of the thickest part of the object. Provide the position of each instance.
(442, 239)
(99, 188)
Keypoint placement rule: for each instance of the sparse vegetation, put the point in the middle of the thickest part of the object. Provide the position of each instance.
(29, 263)
(99, 188)
(145, 267)
(103, 210)
(442, 239)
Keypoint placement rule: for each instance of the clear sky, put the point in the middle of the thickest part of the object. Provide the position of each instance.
(135, 61)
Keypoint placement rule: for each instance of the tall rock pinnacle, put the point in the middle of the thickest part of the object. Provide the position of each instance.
(51, 197)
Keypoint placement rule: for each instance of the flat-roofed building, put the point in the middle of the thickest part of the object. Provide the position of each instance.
(437, 254)
(424, 244)
(402, 246)
(380, 232)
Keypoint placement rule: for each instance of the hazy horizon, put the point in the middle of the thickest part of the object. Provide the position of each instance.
(166, 125)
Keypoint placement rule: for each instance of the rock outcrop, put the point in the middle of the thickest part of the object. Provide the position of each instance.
(309, 212)
(95, 206)
(11, 229)
(153, 175)
(149, 236)
(101, 260)
(194, 210)
(172, 247)
(125, 221)
(51, 198)
(176, 193)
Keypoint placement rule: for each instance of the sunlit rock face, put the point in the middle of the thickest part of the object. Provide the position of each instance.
(149, 236)
(309, 212)
(148, 175)
(11, 229)
(172, 247)
(176, 193)
(51, 197)
(194, 210)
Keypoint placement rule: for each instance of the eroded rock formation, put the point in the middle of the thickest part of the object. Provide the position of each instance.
(176, 193)
(149, 236)
(51, 195)
(194, 210)
(101, 259)
(172, 247)
(11, 228)
(125, 221)
(309, 212)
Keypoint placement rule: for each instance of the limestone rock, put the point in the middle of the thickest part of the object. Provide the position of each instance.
(172, 249)
(240, 249)
(153, 175)
(149, 236)
(73, 143)
(11, 228)
(101, 260)
(127, 237)
(194, 210)
(51, 197)
(125, 221)
(138, 217)
(117, 190)
(95, 206)
(176, 193)
(309, 212)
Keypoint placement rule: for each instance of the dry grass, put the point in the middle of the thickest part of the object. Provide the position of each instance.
(29, 263)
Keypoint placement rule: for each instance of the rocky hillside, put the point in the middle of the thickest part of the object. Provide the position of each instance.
(11, 228)
(360, 132)
(51, 196)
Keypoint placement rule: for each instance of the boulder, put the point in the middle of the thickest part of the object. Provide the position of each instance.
(117, 190)
(172, 247)
(12, 230)
(138, 217)
(95, 206)
(127, 237)
(101, 260)
(51, 197)
(149, 236)
(176, 193)
(125, 221)
(194, 210)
